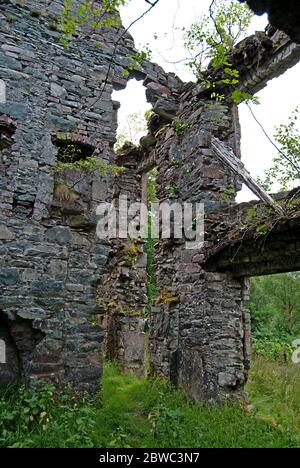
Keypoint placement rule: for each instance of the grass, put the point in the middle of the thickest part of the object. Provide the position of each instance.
(274, 388)
(131, 412)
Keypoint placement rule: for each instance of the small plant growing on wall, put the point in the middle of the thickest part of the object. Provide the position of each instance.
(63, 193)
(174, 190)
(210, 40)
(180, 127)
(175, 163)
(188, 168)
(228, 194)
(285, 168)
(112, 306)
(166, 297)
(79, 157)
(131, 252)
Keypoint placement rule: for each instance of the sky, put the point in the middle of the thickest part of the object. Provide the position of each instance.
(165, 21)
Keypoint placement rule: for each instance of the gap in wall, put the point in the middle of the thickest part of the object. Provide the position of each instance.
(71, 151)
(132, 125)
(275, 314)
(277, 101)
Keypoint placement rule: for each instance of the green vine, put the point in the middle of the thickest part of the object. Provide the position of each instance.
(179, 127)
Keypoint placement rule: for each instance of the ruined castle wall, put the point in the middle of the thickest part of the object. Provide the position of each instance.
(282, 14)
(51, 259)
(199, 331)
(58, 280)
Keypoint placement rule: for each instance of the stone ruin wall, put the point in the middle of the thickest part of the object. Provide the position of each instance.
(200, 341)
(282, 14)
(51, 259)
(66, 296)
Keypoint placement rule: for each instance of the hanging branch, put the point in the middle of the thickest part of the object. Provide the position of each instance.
(285, 156)
(153, 4)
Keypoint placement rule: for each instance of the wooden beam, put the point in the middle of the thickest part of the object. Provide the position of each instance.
(226, 155)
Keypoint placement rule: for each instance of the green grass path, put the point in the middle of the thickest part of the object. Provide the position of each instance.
(130, 412)
(143, 413)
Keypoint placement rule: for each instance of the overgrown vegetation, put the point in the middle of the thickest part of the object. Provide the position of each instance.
(210, 41)
(77, 15)
(274, 389)
(179, 127)
(90, 165)
(129, 412)
(38, 418)
(80, 158)
(78, 20)
(151, 242)
(151, 413)
(275, 311)
(274, 382)
(275, 307)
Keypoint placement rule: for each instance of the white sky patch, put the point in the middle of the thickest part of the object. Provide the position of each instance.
(166, 20)
(133, 101)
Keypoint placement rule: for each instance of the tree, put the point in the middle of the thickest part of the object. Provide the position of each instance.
(211, 39)
(77, 14)
(285, 168)
(275, 305)
(132, 131)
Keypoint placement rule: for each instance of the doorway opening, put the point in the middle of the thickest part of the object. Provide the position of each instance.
(132, 112)
(10, 366)
(274, 304)
(20, 340)
(274, 380)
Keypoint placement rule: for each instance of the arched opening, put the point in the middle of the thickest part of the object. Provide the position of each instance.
(10, 368)
(19, 341)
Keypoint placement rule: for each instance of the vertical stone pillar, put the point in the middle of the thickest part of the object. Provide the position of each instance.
(198, 327)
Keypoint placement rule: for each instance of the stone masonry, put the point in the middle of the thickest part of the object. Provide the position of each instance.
(51, 259)
(67, 296)
(282, 14)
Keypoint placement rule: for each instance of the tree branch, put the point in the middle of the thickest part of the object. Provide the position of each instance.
(115, 51)
(287, 158)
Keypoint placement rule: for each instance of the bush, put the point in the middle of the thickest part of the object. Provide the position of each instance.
(272, 349)
(275, 307)
(131, 413)
(38, 418)
(274, 388)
